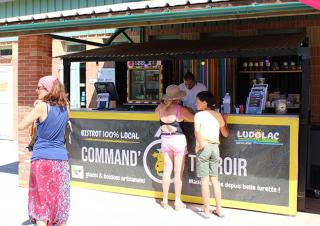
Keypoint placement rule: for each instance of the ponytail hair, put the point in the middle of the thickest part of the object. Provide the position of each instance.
(207, 97)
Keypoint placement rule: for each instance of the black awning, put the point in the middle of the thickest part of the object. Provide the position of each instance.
(194, 49)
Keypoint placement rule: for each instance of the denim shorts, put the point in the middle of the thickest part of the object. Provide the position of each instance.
(208, 161)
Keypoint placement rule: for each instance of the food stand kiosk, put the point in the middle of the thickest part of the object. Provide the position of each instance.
(120, 151)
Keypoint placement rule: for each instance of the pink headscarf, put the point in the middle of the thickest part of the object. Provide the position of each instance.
(47, 81)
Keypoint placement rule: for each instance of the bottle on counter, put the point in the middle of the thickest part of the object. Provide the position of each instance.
(241, 108)
(227, 103)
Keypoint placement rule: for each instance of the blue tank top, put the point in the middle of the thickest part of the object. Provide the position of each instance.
(50, 135)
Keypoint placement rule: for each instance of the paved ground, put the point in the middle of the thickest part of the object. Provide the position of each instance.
(95, 208)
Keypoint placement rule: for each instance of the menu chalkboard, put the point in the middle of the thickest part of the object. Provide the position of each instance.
(256, 100)
(262, 88)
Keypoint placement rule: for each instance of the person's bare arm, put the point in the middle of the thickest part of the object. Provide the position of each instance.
(189, 109)
(68, 108)
(224, 129)
(197, 135)
(187, 114)
(197, 129)
(157, 110)
(32, 116)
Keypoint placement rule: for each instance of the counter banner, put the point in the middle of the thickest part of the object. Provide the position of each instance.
(116, 152)
(254, 163)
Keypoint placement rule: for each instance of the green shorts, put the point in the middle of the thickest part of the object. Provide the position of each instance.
(208, 161)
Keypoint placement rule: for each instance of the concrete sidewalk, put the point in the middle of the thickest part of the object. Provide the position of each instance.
(96, 208)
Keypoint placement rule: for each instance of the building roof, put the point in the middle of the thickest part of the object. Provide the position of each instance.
(150, 13)
(194, 49)
(129, 6)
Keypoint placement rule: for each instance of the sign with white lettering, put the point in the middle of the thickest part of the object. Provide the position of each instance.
(107, 75)
(143, 64)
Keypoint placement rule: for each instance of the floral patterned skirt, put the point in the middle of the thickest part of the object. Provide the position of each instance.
(49, 191)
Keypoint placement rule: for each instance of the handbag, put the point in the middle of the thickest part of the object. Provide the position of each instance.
(33, 133)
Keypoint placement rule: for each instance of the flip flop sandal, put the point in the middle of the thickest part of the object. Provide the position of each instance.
(179, 207)
(215, 213)
(164, 205)
(203, 215)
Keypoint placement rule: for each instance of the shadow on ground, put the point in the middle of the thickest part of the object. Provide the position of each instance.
(27, 222)
(312, 205)
(11, 168)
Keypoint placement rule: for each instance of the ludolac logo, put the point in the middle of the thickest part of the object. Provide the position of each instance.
(258, 136)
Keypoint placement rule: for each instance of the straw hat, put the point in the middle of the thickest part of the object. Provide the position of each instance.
(173, 93)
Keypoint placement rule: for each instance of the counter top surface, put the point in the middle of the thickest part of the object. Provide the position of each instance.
(267, 115)
(112, 111)
(152, 112)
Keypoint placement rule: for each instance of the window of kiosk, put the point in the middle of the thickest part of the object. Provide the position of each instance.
(137, 80)
(152, 84)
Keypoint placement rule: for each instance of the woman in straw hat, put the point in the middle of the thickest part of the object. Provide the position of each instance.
(49, 185)
(173, 142)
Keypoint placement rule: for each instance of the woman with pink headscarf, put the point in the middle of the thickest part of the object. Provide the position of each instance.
(49, 184)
